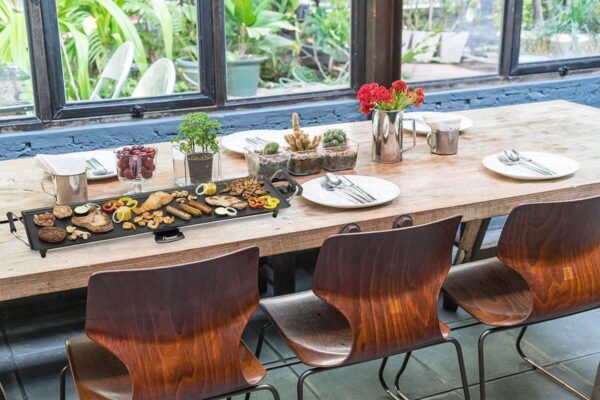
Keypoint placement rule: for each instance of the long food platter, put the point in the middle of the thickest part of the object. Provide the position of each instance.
(164, 221)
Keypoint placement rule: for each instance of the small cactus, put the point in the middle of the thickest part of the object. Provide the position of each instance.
(270, 148)
(334, 137)
(298, 140)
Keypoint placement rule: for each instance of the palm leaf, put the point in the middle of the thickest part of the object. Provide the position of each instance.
(163, 15)
(128, 30)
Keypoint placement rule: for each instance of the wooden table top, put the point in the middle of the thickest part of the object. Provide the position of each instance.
(432, 187)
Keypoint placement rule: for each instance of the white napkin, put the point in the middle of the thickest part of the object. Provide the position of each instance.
(440, 123)
(62, 164)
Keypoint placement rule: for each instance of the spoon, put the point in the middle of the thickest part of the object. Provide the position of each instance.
(99, 169)
(327, 186)
(336, 181)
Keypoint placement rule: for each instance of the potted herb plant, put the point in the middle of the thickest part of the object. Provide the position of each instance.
(251, 32)
(197, 146)
(339, 152)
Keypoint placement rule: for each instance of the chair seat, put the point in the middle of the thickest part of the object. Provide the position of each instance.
(99, 375)
(491, 292)
(316, 332)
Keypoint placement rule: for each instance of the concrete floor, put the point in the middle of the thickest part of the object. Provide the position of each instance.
(33, 333)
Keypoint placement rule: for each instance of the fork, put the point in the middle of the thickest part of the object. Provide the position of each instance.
(519, 156)
(346, 195)
(503, 158)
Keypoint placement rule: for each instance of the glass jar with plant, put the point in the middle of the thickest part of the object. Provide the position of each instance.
(305, 158)
(196, 150)
(267, 160)
(339, 152)
(252, 32)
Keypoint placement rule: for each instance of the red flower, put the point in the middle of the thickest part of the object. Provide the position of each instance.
(417, 96)
(366, 97)
(382, 95)
(399, 86)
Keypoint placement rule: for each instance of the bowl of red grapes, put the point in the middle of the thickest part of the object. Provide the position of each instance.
(136, 164)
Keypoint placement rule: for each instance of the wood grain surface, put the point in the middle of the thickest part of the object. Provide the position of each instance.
(432, 187)
(387, 285)
(178, 329)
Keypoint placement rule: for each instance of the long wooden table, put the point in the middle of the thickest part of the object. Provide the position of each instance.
(432, 187)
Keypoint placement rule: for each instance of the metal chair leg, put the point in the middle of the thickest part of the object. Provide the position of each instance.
(261, 338)
(306, 374)
(461, 365)
(545, 371)
(482, 361)
(63, 382)
(384, 385)
(402, 368)
(264, 386)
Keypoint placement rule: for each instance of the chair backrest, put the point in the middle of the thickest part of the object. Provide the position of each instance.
(387, 285)
(177, 329)
(158, 80)
(117, 69)
(2, 394)
(555, 247)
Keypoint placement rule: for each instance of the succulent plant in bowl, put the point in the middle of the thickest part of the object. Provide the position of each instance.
(305, 158)
(339, 152)
(266, 161)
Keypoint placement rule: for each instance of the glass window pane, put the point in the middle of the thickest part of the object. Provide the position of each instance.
(559, 29)
(15, 65)
(128, 48)
(279, 47)
(450, 39)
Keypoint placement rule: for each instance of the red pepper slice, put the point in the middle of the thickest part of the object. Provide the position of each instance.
(111, 205)
(254, 202)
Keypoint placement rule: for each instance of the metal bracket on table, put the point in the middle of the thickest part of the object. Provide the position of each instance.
(11, 217)
(282, 174)
(168, 236)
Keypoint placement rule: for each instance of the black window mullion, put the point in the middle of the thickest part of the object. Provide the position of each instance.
(511, 37)
(37, 55)
(220, 49)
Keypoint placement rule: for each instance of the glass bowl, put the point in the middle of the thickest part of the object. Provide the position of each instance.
(266, 165)
(136, 164)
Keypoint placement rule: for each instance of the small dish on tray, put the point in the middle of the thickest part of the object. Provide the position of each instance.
(383, 191)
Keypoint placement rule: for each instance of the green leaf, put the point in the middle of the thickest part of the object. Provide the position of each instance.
(244, 13)
(166, 25)
(128, 30)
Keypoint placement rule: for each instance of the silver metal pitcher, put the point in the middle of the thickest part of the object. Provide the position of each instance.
(443, 142)
(67, 189)
(388, 137)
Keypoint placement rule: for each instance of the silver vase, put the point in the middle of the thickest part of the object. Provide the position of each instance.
(388, 139)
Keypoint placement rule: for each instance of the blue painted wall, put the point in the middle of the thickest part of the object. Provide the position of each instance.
(14, 145)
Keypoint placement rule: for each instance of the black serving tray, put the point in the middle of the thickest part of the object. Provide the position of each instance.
(165, 233)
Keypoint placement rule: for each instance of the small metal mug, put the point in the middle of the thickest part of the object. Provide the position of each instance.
(443, 142)
(67, 189)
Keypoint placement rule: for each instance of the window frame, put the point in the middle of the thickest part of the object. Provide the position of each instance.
(513, 39)
(52, 108)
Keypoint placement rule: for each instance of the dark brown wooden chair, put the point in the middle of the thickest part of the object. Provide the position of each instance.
(169, 333)
(374, 295)
(548, 266)
(2, 394)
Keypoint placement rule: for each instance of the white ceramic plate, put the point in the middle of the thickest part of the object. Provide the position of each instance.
(106, 158)
(423, 128)
(236, 142)
(384, 191)
(563, 166)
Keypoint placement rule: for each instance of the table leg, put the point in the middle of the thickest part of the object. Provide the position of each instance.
(284, 279)
(470, 241)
